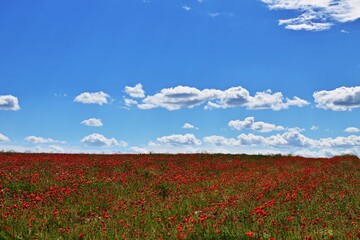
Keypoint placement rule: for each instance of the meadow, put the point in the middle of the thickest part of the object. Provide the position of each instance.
(189, 196)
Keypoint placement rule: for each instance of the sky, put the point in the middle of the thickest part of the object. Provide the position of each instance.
(180, 76)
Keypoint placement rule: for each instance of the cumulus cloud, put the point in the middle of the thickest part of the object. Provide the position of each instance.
(352, 130)
(189, 126)
(4, 138)
(217, 140)
(178, 97)
(316, 15)
(129, 102)
(340, 142)
(136, 91)
(339, 99)
(92, 122)
(240, 97)
(232, 97)
(249, 123)
(9, 102)
(92, 98)
(98, 140)
(40, 140)
(291, 138)
(274, 101)
(190, 97)
(179, 140)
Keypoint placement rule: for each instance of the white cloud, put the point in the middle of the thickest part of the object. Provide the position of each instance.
(218, 14)
(136, 91)
(291, 138)
(92, 98)
(129, 102)
(186, 8)
(9, 102)
(221, 141)
(321, 153)
(240, 97)
(352, 130)
(175, 143)
(274, 101)
(314, 128)
(60, 94)
(251, 139)
(232, 97)
(40, 140)
(189, 126)
(4, 138)
(316, 15)
(241, 140)
(92, 122)
(190, 97)
(249, 123)
(341, 142)
(214, 14)
(339, 99)
(303, 22)
(98, 140)
(56, 149)
(140, 150)
(179, 140)
(178, 97)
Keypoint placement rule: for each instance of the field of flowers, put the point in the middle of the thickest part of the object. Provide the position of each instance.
(55, 196)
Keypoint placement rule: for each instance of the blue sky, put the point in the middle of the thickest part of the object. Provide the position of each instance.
(252, 76)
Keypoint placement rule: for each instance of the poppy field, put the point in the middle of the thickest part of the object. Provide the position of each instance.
(184, 196)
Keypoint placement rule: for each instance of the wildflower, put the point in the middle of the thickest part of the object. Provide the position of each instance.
(181, 236)
(250, 234)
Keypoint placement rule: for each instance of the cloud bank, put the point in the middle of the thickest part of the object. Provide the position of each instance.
(41, 140)
(189, 97)
(291, 138)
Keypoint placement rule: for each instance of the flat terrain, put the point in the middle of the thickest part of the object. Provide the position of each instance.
(55, 196)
